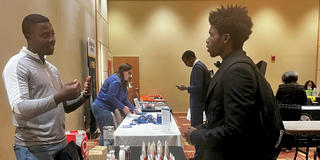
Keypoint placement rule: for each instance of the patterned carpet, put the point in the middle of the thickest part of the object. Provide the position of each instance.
(183, 123)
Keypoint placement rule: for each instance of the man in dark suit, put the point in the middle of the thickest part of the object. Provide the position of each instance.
(235, 96)
(199, 81)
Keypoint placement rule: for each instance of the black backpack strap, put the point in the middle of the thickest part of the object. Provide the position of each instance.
(269, 111)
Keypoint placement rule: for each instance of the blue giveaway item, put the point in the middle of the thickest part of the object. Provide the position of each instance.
(143, 119)
(126, 126)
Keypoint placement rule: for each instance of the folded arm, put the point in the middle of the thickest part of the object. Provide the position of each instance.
(17, 87)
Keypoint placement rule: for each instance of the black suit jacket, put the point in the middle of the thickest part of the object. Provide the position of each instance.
(233, 130)
(199, 81)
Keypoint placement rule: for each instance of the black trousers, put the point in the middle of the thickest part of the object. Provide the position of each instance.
(196, 113)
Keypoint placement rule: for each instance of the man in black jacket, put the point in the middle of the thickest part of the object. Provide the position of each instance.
(240, 105)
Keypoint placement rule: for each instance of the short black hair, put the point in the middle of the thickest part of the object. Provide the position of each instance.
(233, 20)
(289, 77)
(188, 54)
(31, 20)
(313, 85)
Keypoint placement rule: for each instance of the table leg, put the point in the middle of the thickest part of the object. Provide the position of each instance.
(307, 153)
(295, 155)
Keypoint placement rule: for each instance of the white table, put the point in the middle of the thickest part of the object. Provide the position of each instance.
(310, 107)
(309, 130)
(302, 127)
(147, 132)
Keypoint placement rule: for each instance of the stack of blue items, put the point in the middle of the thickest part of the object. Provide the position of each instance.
(143, 119)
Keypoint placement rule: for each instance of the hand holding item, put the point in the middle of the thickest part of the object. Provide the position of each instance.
(136, 111)
(187, 133)
(126, 110)
(87, 87)
(72, 90)
(69, 91)
(182, 87)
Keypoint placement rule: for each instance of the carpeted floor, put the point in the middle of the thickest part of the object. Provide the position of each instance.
(183, 123)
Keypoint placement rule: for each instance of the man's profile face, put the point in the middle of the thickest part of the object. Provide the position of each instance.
(187, 62)
(42, 38)
(214, 42)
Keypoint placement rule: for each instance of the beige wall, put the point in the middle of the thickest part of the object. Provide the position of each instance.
(73, 21)
(159, 32)
(103, 41)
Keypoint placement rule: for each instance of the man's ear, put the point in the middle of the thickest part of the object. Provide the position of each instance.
(226, 38)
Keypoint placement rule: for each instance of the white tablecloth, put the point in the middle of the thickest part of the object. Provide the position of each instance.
(302, 127)
(147, 132)
(310, 107)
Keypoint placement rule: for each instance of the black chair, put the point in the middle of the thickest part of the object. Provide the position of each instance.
(290, 112)
(293, 112)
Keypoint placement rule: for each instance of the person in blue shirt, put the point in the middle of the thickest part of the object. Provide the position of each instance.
(113, 95)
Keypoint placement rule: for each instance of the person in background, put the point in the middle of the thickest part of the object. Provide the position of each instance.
(289, 95)
(199, 81)
(113, 95)
(291, 92)
(309, 85)
(37, 96)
